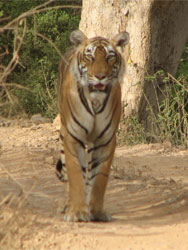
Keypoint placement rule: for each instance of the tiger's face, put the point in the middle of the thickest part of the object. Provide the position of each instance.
(98, 61)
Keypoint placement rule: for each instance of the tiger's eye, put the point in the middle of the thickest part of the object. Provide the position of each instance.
(89, 57)
(111, 57)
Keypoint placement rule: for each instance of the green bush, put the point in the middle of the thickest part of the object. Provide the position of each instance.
(38, 59)
(130, 131)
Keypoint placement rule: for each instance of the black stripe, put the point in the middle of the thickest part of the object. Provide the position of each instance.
(105, 129)
(88, 184)
(106, 99)
(83, 100)
(93, 176)
(61, 136)
(76, 139)
(108, 125)
(94, 159)
(62, 151)
(61, 177)
(59, 166)
(83, 169)
(95, 164)
(102, 145)
(75, 120)
(79, 63)
(103, 41)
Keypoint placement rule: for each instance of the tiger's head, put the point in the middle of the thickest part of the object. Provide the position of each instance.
(98, 61)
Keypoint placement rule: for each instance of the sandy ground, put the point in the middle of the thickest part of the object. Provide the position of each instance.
(147, 196)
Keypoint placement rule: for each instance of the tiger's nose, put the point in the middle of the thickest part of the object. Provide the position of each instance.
(100, 76)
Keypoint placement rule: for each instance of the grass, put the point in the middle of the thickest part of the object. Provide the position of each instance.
(170, 123)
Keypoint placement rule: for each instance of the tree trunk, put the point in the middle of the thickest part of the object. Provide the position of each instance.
(158, 32)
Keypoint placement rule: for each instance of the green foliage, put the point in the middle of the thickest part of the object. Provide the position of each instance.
(14, 8)
(172, 118)
(38, 58)
(132, 132)
(41, 60)
(182, 73)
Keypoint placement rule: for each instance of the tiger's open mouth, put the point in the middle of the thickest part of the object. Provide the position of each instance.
(97, 87)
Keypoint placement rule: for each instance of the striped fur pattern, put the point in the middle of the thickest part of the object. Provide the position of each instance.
(89, 101)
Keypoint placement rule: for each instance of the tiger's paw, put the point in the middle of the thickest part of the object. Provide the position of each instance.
(77, 215)
(101, 216)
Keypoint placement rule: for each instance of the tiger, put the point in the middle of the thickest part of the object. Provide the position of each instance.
(89, 105)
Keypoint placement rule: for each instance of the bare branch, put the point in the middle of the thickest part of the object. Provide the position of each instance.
(178, 82)
(14, 61)
(2, 19)
(5, 51)
(16, 85)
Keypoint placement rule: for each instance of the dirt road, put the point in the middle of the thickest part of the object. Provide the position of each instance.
(147, 196)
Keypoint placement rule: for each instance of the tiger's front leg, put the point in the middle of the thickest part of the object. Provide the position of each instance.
(77, 209)
(100, 181)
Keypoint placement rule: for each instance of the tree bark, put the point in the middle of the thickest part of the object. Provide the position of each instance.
(158, 32)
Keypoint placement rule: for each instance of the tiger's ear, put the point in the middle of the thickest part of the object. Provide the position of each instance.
(77, 37)
(121, 39)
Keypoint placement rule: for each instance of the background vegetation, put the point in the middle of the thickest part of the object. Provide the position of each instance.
(45, 36)
(170, 123)
(33, 37)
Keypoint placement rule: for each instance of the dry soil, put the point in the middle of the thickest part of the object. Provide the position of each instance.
(147, 195)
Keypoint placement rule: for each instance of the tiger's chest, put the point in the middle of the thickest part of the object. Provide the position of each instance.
(102, 124)
(97, 101)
